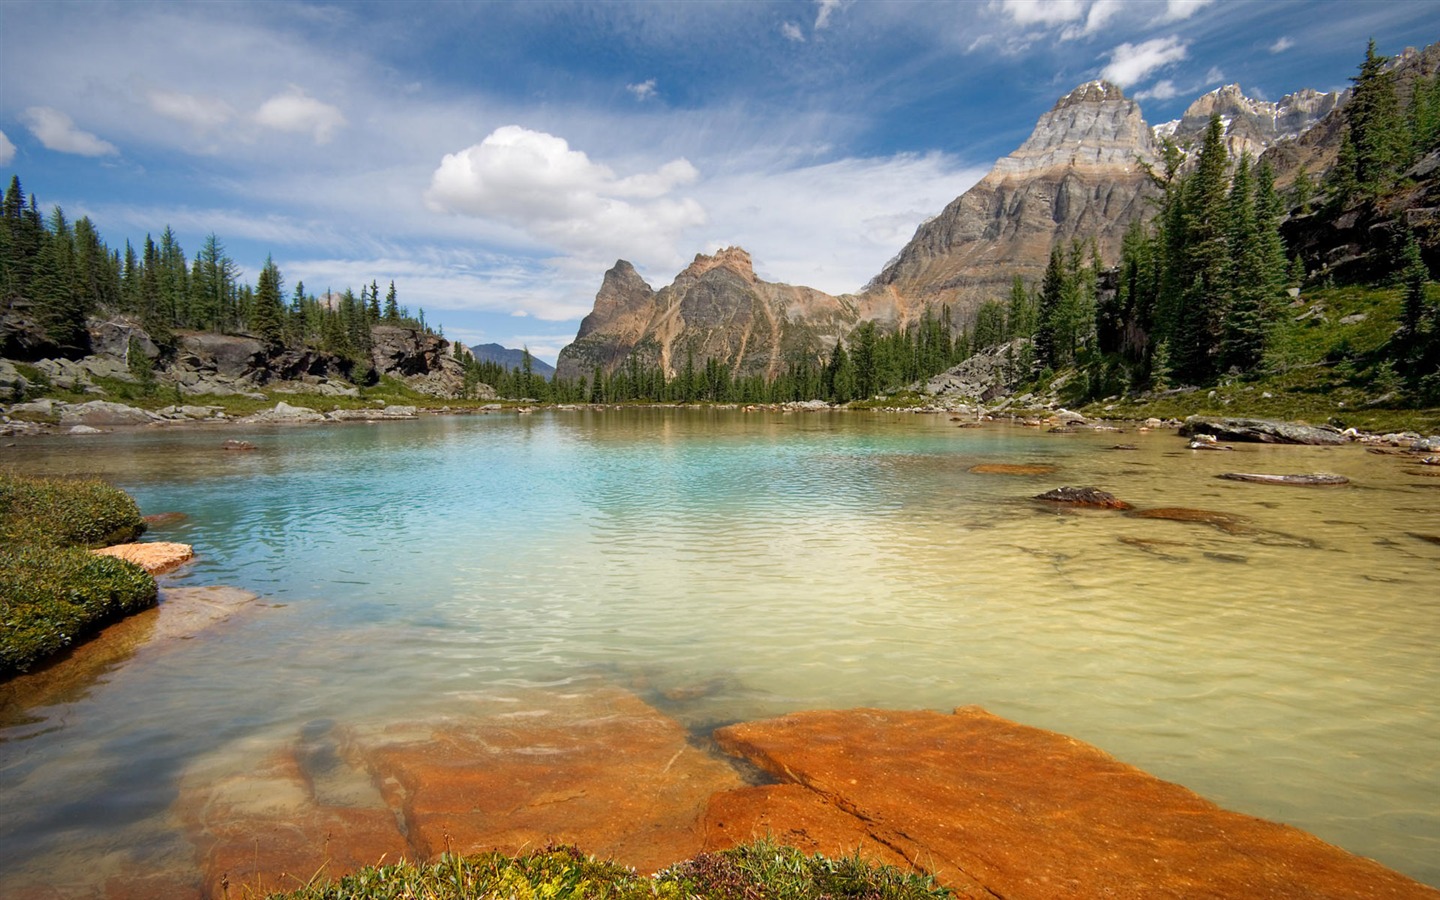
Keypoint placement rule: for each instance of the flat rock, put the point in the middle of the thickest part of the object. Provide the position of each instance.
(103, 412)
(284, 413)
(1264, 431)
(1317, 479)
(1021, 812)
(597, 768)
(1083, 496)
(1014, 469)
(155, 557)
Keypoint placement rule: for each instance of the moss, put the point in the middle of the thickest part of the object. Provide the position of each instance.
(66, 513)
(51, 596)
(51, 590)
(752, 872)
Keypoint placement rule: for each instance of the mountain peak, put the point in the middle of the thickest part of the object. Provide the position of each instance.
(1090, 92)
(736, 259)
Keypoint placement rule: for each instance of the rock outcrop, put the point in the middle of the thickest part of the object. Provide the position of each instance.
(716, 309)
(1251, 126)
(1080, 175)
(1262, 431)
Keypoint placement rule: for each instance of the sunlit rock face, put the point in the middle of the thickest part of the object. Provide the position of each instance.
(1251, 126)
(716, 309)
(1081, 174)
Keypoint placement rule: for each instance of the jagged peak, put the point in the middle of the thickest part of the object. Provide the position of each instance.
(1090, 92)
(736, 259)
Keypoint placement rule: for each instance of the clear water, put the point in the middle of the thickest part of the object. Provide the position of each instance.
(741, 565)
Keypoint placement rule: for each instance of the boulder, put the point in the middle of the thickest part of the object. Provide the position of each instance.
(12, 384)
(103, 412)
(112, 336)
(1083, 496)
(224, 354)
(1264, 431)
(421, 360)
(284, 413)
(22, 336)
(997, 809)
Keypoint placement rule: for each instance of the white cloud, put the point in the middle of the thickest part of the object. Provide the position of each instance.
(1100, 14)
(1215, 74)
(1281, 45)
(296, 111)
(535, 182)
(642, 91)
(792, 32)
(202, 113)
(827, 8)
(1130, 63)
(7, 150)
(1176, 10)
(1161, 90)
(57, 132)
(1043, 12)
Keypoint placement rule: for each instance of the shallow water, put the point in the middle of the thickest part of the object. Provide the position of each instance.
(736, 565)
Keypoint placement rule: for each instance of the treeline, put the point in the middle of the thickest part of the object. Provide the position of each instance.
(61, 273)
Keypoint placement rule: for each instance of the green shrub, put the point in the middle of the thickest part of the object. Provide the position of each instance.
(50, 596)
(66, 513)
(759, 871)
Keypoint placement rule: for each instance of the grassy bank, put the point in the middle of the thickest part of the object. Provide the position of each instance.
(52, 591)
(758, 871)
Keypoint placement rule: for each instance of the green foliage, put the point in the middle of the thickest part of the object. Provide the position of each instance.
(51, 590)
(759, 871)
(51, 596)
(66, 513)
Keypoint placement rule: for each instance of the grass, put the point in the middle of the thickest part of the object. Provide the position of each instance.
(758, 871)
(52, 591)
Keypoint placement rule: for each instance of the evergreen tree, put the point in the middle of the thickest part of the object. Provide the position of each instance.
(1020, 313)
(1244, 322)
(1414, 276)
(372, 310)
(1206, 261)
(1047, 327)
(267, 318)
(392, 307)
(989, 324)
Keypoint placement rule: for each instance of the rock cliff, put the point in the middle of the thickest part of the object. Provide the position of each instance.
(1080, 174)
(1251, 126)
(715, 309)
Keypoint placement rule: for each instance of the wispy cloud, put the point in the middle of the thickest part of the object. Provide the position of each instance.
(642, 91)
(296, 111)
(1131, 63)
(1177, 10)
(200, 112)
(57, 132)
(1160, 90)
(1281, 45)
(1043, 12)
(827, 9)
(792, 32)
(7, 150)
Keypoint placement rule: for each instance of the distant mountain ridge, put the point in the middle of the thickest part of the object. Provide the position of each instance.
(511, 359)
(1084, 173)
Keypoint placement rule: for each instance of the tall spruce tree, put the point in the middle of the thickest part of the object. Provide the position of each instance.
(1047, 326)
(267, 317)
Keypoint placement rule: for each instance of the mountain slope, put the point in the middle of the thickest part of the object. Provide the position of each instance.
(510, 359)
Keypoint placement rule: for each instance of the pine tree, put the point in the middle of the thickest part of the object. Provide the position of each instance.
(1047, 326)
(1205, 273)
(1244, 322)
(1414, 276)
(267, 318)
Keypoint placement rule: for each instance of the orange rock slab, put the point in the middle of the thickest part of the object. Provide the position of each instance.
(155, 557)
(991, 807)
(599, 769)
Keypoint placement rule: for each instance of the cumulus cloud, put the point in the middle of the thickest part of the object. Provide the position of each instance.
(533, 181)
(296, 111)
(1043, 12)
(1130, 63)
(1281, 45)
(201, 113)
(7, 150)
(57, 132)
(642, 91)
(792, 32)
(827, 8)
(1161, 90)
(1175, 10)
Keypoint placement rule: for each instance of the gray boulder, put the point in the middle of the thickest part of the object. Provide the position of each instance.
(104, 413)
(284, 413)
(12, 384)
(1262, 431)
(224, 354)
(984, 376)
(111, 337)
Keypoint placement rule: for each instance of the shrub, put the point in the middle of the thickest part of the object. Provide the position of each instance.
(66, 513)
(51, 596)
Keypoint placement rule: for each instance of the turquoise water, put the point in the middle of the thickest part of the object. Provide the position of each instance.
(731, 565)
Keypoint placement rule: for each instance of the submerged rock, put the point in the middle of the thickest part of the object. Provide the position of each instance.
(1014, 469)
(1083, 496)
(993, 808)
(1318, 479)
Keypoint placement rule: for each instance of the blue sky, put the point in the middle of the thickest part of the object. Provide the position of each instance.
(494, 159)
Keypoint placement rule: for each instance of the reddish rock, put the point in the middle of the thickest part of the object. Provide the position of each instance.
(161, 520)
(1083, 496)
(156, 557)
(1022, 812)
(1013, 469)
(265, 828)
(599, 769)
(1230, 524)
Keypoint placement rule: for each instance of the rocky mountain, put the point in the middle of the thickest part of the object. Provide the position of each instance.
(1251, 126)
(715, 309)
(1080, 174)
(509, 358)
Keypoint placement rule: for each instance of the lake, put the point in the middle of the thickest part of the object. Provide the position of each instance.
(730, 566)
